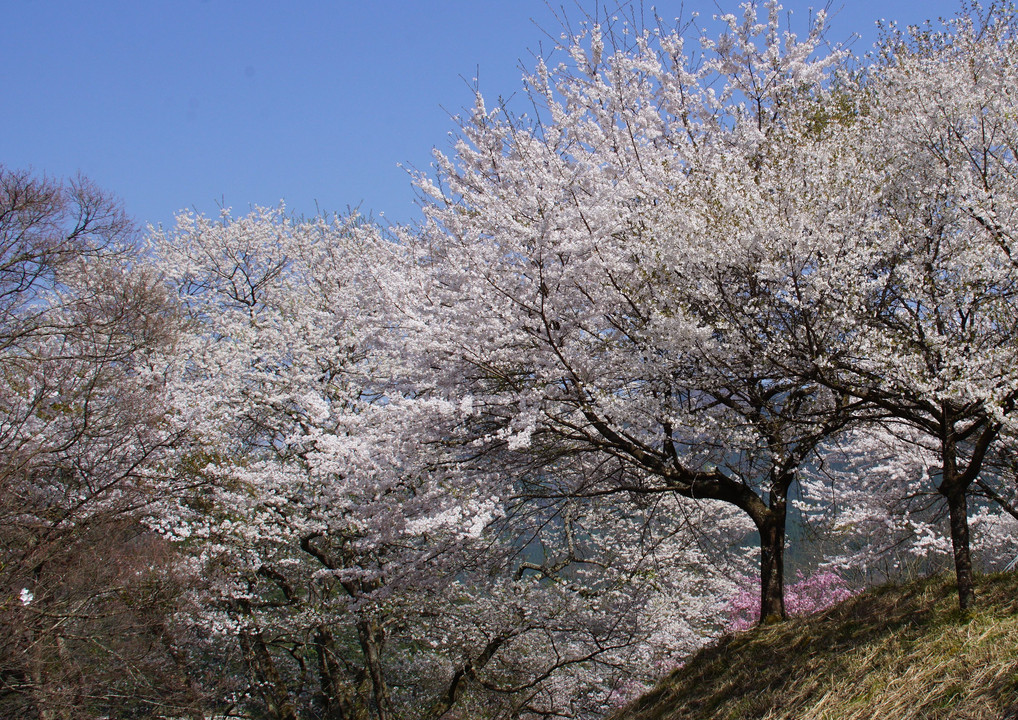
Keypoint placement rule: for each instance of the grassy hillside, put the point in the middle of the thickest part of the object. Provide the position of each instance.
(893, 653)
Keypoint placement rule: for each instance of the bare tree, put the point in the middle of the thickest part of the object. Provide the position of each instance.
(82, 428)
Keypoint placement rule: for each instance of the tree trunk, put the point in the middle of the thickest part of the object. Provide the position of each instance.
(372, 637)
(339, 699)
(263, 667)
(328, 672)
(957, 503)
(772, 565)
(954, 487)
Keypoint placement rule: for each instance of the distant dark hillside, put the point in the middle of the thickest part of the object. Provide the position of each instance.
(893, 653)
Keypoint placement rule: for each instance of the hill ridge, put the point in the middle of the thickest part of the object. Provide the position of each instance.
(894, 653)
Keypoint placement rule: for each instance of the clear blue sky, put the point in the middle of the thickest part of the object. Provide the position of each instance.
(176, 104)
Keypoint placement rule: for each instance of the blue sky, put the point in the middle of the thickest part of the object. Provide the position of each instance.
(193, 103)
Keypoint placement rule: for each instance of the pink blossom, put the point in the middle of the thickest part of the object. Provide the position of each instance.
(805, 596)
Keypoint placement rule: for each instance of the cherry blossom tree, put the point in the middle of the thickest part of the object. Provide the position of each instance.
(355, 565)
(315, 452)
(918, 301)
(877, 513)
(605, 271)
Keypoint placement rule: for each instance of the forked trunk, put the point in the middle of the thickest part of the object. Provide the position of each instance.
(372, 637)
(271, 685)
(338, 699)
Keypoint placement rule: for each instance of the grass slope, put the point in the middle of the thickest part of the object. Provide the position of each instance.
(893, 653)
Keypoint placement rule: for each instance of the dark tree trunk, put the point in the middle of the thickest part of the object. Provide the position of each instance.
(372, 637)
(772, 566)
(957, 503)
(273, 689)
(338, 700)
(954, 485)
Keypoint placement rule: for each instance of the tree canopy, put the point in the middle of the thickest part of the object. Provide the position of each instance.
(719, 309)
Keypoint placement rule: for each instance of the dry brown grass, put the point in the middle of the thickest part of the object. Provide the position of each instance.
(893, 653)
